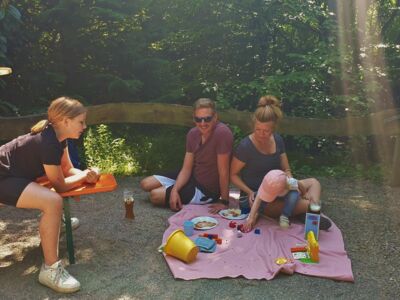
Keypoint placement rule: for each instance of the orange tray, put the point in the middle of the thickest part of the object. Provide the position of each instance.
(106, 183)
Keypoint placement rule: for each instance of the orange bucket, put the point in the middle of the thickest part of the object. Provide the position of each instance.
(180, 246)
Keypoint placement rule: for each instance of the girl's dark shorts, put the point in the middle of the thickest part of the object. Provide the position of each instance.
(11, 189)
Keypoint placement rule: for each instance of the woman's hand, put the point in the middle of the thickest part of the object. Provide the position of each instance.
(216, 207)
(92, 175)
(96, 170)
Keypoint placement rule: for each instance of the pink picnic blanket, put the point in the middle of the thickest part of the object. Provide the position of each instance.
(253, 255)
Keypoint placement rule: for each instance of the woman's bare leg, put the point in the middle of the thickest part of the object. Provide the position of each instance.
(313, 190)
(301, 207)
(35, 196)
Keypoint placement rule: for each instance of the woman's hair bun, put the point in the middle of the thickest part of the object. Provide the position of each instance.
(268, 100)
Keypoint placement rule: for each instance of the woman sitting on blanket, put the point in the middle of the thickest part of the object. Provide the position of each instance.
(44, 152)
(262, 151)
(204, 176)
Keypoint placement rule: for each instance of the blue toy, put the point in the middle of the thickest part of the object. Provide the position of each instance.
(312, 224)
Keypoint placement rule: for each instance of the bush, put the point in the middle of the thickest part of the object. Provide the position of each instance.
(110, 154)
(127, 149)
(138, 150)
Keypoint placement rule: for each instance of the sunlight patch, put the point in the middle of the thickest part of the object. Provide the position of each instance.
(364, 204)
(125, 297)
(30, 270)
(3, 225)
(86, 254)
(5, 264)
(5, 252)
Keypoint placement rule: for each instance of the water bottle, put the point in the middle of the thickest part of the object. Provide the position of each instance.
(129, 201)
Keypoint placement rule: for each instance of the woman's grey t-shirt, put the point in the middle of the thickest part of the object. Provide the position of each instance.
(257, 163)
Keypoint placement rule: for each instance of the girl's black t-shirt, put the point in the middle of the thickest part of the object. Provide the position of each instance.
(25, 155)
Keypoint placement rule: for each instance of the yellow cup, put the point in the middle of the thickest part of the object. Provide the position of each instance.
(180, 246)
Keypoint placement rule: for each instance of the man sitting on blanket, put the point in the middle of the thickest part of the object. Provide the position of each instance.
(204, 176)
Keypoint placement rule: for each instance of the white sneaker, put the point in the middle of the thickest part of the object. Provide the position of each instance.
(284, 222)
(58, 279)
(74, 223)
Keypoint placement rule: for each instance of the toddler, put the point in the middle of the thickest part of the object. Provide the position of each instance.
(276, 184)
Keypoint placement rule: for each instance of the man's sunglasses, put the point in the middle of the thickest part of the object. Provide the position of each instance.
(207, 119)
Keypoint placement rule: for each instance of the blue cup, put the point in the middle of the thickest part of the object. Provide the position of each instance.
(244, 204)
(245, 210)
(188, 228)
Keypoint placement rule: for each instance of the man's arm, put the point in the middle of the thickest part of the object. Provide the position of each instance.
(223, 172)
(223, 175)
(183, 177)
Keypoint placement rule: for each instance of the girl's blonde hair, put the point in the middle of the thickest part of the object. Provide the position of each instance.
(268, 109)
(204, 103)
(59, 109)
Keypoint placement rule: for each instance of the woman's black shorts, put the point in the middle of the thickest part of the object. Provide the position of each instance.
(11, 189)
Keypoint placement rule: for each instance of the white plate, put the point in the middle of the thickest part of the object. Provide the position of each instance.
(204, 219)
(225, 214)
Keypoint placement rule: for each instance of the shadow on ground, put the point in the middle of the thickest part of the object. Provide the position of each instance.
(118, 259)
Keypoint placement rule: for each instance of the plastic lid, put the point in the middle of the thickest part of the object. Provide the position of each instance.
(315, 207)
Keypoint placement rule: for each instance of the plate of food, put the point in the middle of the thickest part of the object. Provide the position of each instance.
(232, 214)
(204, 223)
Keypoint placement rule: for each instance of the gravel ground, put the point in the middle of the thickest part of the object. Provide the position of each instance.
(118, 259)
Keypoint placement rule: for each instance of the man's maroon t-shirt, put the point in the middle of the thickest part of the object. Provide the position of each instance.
(205, 170)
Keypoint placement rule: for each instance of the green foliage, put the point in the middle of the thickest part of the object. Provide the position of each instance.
(7, 109)
(316, 56)
(238, 134)
(340, 157)
(176, 51)
(10, 19)
(155, 148)
(144, 149)
(121, 90)
(161, 82)
(339, 170)
(150, 149)
(108, 153)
